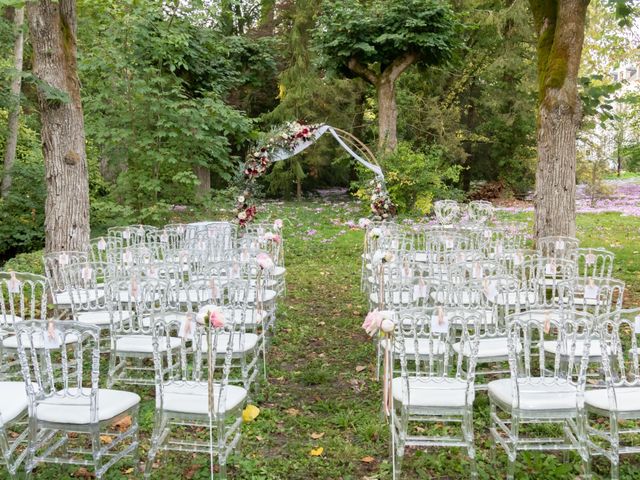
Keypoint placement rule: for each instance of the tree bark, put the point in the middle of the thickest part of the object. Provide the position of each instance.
(560, 28)
(204, 175)
(13, 122)
(53, 33)
(387, 116)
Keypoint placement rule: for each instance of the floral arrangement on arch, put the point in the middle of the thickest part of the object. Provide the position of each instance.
(287, 139)
(382, 207)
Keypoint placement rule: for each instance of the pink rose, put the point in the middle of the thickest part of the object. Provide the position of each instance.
(372, 322)
(216, 318)
(265, 261)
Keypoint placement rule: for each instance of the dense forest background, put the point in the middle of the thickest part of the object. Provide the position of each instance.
(175, 92)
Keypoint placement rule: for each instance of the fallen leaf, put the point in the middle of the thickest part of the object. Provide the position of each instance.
(106, 439)
(367, 459)
(123, 424)
(292, 411)
(360, 368)
(250, 413)
(317, 436)
(316, 452)
(82, 472)
(259, 438)
(128, 471)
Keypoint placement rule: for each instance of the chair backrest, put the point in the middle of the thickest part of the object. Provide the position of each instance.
(189, 366)
(480, 211)
(558, 246)
(133, 300)
(99, 248)
(531, 363)
(447, 212)
(429, 330)
(595, 262)
(23, 296)
(55, 261)
(60, 359)
(620, 334)
(86, 281)
(595, 295)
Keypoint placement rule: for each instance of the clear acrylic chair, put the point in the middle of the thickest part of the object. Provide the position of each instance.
(435, 386)
(558, 246)
(100, 246)
(54, 262)
(595, 262)
(197, 393)
(612, 412)
(67, 408)
(543, 389)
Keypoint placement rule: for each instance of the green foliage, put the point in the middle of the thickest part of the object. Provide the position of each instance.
(380, 31)
(418, 178)
(26, 262)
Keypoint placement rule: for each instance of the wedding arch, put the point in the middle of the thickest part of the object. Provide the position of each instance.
(291, 139)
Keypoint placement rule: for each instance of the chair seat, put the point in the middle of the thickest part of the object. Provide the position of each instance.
(79, 297)
(539, 394)
(193, 397)
(425, 392)
(487, 348)
(9, 319)
(627, 399)
(13, 401)
(250, 316)
(244, 343)
(515, 298)
(142, 344)
(425, 346)
(595, 348)
(278, 272)
(99, 317)
(76, 410)
(11, 342)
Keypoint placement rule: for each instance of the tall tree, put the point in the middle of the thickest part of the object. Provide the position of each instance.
(14, 111)
(379, 40)
(53, 32)
(560, 28)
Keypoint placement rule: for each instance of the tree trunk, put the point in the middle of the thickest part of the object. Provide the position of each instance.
(298, 189)
(13, 123)
(387, 115)
(53, 33)
(560, 27)
(204, 175)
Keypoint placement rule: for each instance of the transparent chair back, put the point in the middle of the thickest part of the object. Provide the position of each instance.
(559, 247)
(447, 212)
(55, 261)
(480, 212)
(23, 296)
(595, 262)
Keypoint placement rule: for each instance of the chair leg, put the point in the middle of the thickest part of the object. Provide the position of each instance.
(95, 449)
(615, 447)
(31, 447)
(155, 444)
(513, 453)
(112, 367)
(467, 427)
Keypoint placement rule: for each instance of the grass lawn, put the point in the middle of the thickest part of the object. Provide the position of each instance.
(322, 391)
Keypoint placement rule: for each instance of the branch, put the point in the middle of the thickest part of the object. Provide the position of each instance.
(362, 71)
(399, 65)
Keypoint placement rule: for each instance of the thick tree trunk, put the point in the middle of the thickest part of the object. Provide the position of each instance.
(204, 175)
(53, 33)
(13, 123)
(560, 26)
(387, 116)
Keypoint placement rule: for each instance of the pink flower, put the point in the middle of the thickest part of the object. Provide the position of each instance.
(311, 232)
(216, 318)
(277, 224)
(265, 261)
(372, 322)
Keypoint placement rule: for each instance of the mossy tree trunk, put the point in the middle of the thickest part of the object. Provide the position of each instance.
(560, 28)
(385, 85)
(53, 36)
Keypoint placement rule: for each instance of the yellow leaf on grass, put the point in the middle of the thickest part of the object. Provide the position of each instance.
(360, 368)
(128, 471)
(316, 452)
(367, 459)
(106, 439)
(294, 412)
(317, 436)
(250, 413)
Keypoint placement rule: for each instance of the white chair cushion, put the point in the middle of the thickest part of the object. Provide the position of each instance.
(595, 348)
(193, 397)
(424, 346)
(627, 399)
(249, 342)
(99, 317)
(142, 344)
(538, 394)
(76, 410)
(10, 319)
(251, 316)
(279, 271)
(487, 348)
(38, 342)
(425, 392)
(13, 401)
(81, 296)
(515, 298)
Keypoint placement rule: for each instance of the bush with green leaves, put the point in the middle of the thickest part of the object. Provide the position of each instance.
(415, 179)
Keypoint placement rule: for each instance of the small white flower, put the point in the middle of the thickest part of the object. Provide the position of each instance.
(375, 232)
(241, 199)
(242, 216)
(389, 257)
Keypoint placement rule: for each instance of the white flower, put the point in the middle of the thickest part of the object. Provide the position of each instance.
(378, 257)
(389, 257)
(375, 232)
(241, 199)
(277, 224)
(387, 326)
(242, 216)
